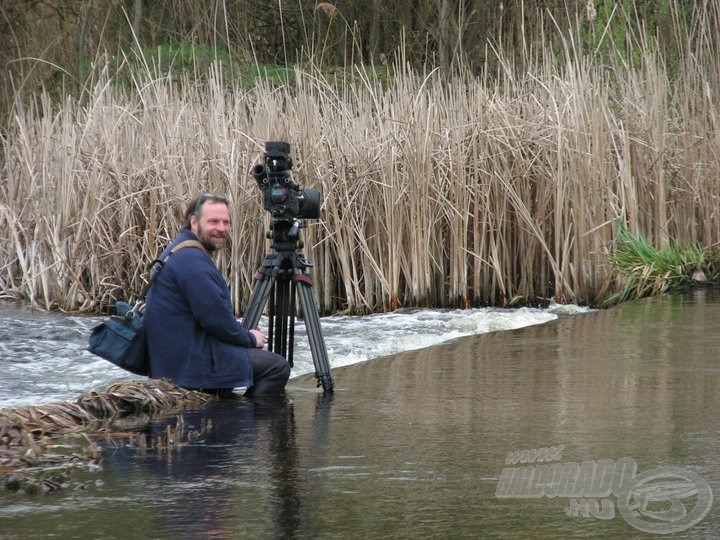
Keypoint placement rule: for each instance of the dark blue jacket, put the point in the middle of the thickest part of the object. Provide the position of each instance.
(193, 336)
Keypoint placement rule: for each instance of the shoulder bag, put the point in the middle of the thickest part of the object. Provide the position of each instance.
(121, 338)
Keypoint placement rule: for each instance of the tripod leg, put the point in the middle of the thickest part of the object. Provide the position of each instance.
(315, 337)
(281, 315)
(258, 299)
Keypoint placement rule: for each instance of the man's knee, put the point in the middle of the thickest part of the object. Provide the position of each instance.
(285, 369)
(280, 368)
(274, 364)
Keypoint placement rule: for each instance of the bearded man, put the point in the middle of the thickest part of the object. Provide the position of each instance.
(194, 339)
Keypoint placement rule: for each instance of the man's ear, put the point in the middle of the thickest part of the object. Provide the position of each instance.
(193, 222)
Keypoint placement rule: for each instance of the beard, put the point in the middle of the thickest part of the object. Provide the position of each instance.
(211, 243)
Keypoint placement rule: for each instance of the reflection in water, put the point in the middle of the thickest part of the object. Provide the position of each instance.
(628, 371)
(414, 445)
(641, 381)
(236, 445)
(234, 466)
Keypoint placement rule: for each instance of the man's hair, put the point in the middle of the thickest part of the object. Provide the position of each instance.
(195, 206)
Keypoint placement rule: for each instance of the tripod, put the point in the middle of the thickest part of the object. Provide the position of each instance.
(284, 273)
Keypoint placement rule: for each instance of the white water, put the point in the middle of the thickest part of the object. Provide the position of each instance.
(43, 357)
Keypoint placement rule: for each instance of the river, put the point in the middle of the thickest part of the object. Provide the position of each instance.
(595, 424)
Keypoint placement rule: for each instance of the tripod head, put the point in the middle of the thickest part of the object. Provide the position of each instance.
(285, 234)
(286, 243)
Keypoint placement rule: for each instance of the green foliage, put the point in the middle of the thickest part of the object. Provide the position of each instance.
(624, 31)
(195, 63)
(179, 63)
(48, 43)
(187, 56)
(644, 270)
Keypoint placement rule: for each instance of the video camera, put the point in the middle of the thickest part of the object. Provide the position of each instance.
(282, 197)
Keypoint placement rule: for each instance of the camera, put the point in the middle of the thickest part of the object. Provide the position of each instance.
(282, 197)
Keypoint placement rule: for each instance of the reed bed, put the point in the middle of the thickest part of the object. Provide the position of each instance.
(438, 189)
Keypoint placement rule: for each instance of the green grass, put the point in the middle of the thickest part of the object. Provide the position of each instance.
(195, 61)
(644, 270)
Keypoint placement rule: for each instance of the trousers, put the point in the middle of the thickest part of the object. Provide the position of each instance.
(270, 373)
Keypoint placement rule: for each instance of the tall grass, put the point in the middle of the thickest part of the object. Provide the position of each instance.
(645, 270)
(438, 189)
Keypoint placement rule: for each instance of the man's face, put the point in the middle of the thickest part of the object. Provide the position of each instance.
(212, 227)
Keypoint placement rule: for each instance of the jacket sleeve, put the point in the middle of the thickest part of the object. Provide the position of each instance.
(209, 298)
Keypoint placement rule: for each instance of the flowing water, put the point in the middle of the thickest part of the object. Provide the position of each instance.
(43, 357)
(602, 424)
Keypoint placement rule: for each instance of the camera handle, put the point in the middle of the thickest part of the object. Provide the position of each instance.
(283, 275)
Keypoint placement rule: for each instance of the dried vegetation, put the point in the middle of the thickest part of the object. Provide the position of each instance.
(41, 445)
(439, 188)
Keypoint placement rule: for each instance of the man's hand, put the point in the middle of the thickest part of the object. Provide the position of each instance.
(260, 338)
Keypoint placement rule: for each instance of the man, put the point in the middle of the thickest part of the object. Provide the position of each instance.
(194, 339)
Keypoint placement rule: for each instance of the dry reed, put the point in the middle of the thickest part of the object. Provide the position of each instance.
(28, 433)
(436, 192)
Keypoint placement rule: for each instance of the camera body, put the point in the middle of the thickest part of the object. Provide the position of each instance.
(282, 197)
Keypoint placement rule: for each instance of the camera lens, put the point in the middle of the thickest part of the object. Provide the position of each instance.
(311, 204)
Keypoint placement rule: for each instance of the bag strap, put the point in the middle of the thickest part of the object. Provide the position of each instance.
(188, 243)
(161, 263)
